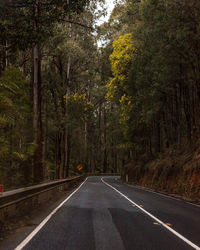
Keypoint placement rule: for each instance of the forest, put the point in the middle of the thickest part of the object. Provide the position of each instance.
(120, 97)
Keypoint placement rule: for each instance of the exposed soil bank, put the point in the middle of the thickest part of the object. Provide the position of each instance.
(177, 174)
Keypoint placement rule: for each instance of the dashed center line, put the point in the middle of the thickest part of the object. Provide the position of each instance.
(190, 243)
(168, 224)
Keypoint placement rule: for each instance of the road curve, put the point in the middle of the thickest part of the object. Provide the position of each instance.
(105, 214)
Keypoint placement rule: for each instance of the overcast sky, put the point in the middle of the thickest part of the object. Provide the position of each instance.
(109, 5)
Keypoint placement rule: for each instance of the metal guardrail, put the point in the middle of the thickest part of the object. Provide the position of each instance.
(12, 202)
(25, 193)
(22, 193)
(17, 195)
(22, 200)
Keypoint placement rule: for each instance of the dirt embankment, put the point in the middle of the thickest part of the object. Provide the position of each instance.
(176, 174)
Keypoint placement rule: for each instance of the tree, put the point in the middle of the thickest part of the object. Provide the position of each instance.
(16, 147)
(41, 15)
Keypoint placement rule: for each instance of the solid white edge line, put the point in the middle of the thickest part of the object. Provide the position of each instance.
(151, 191)
(192, 204)
(155, 218)
(164, 195)
(37, 229)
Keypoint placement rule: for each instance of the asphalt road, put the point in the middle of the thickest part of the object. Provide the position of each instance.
(105, 214)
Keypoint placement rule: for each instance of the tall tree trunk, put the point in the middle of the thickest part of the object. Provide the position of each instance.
(37, 100)
(63, 155)
(86, 145)
(45, 144)
(105, 145)
(6, 55)
(68, 153)
(58, 154)
(186, 105)
(100, 135)
(67, 132)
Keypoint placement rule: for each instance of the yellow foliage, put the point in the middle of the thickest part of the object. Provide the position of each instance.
(120, 59)
(112, 88)
(123, 50)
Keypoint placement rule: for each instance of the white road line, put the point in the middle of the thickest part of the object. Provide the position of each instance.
(37, 229)
(193, 204)
(164, 195)
(155, 218)
(151, 191)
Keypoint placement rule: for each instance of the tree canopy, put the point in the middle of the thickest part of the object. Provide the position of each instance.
(66, 101)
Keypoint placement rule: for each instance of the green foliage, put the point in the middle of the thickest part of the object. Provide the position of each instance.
(79, 107)
(67, 55)
(13, 95)
(138, 94)
(154, 84)
(14, 116)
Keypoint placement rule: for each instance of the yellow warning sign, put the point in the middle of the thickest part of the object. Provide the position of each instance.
(79, 167)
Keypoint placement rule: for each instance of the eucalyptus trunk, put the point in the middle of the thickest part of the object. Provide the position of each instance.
(37, 100)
